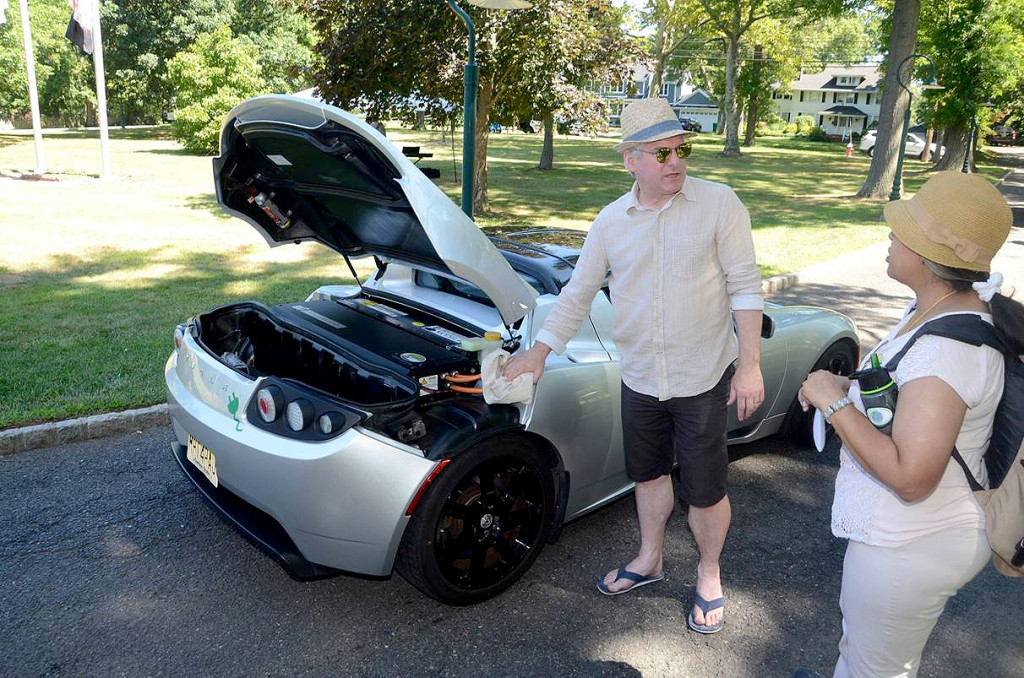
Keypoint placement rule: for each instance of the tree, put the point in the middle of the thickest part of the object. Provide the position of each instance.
(733, 19)
(902, 42)
(978, 49)
(284, 41)
(677, 24)
(582, 47)
(140, 37)
(215, 73)
(379, 54)
(64, 80)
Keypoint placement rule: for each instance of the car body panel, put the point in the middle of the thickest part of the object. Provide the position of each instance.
(430, 231)
(342, 501)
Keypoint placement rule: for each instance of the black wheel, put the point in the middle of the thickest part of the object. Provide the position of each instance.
(839, 358)
(871, 151)
(481, 524)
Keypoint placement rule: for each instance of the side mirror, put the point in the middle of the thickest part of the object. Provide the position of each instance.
(767, 326)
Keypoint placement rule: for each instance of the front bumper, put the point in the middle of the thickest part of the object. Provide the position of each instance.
(316, 507)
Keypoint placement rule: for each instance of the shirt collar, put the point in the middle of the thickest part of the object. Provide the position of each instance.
(687, 191)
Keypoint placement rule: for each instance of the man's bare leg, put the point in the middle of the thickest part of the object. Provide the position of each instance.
(710, 525)
(654, 502)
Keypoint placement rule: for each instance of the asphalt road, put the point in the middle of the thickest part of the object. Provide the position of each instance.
(111, 564)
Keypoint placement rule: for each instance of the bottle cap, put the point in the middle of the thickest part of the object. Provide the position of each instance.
(874, 380)
(493, 336)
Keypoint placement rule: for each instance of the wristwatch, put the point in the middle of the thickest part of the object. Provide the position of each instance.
(835, 407)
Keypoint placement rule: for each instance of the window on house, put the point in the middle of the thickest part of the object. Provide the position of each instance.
(666, 89)
(867, 99)
(850, 98)
(801, 96)
(822, 97)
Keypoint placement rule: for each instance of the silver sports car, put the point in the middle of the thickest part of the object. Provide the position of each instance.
(346, 432)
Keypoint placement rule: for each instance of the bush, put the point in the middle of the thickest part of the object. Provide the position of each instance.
(804, 124)
(215, 73)
(790, 128)
(855, 137)
(816, 134)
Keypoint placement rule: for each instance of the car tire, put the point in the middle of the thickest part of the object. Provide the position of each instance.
(454, 548)
(838, 358)
(871, 151)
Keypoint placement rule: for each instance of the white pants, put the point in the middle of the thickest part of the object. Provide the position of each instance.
(892, 597)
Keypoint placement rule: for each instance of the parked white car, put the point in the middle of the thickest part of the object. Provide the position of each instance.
(915, 145)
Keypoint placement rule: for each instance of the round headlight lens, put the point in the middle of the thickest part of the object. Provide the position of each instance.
(299, 414)
(330, 423)
(269, 401)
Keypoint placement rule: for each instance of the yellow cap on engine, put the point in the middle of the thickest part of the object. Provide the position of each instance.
(493, 336)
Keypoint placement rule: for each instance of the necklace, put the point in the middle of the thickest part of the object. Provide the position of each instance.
(918, 316)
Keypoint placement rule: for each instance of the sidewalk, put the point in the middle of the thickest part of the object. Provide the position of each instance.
(856, 283)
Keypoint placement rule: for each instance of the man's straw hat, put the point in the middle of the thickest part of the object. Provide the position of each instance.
(649, 120)
(955, 219)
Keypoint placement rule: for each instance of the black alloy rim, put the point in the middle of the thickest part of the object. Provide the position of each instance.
(840, 364)
(489, 523)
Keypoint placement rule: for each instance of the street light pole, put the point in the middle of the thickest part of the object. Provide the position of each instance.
(930, 84)
(470, 79)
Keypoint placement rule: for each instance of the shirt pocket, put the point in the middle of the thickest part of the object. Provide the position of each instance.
(685, 257)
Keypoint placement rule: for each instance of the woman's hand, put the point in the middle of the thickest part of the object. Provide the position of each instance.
(821, 389)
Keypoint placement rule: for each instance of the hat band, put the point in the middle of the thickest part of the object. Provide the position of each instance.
(939, 233)
(657, 128)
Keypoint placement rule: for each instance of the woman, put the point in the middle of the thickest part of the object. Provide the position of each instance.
(916, 533)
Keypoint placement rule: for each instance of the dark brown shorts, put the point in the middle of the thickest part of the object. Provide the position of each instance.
(688, 430)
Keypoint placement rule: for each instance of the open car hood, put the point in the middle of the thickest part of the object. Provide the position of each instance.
(298, 169)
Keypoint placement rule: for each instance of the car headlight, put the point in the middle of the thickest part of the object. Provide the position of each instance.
(269, 401)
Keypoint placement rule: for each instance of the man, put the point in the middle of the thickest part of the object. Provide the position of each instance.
(681, 256)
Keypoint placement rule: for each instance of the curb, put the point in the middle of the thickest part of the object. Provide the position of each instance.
(85, 428)
(99, 425)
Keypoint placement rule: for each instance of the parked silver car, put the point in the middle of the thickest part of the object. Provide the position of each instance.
(914, 148)
(345, 432)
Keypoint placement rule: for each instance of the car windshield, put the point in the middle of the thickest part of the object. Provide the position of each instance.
(465, 290)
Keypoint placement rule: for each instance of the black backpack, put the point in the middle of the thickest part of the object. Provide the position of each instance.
(1004, 458)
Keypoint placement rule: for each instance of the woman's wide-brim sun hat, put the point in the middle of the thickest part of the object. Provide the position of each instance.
(649, 120)
(955, 219)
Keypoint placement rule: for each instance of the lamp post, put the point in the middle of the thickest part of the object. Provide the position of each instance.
(470, 78)
(928, 84)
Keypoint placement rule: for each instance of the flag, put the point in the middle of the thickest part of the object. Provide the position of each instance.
(3, 8)
(80, 26)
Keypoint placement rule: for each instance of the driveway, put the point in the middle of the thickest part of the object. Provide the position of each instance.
(110, 564)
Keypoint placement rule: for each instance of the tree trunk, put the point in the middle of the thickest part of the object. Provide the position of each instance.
(547, 155)
(483, 119)
(927, 155)
(659, 60)
(955, 141)
(732, 118)
(902, 41)
(749, 137)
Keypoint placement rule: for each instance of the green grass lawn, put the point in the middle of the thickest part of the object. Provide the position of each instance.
(94, 275)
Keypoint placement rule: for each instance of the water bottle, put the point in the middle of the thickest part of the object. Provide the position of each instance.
(878, 393)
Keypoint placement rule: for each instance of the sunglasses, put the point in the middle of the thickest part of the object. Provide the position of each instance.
(661, 154)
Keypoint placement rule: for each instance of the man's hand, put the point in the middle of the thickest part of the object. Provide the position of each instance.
(531, 360)
(747, 389)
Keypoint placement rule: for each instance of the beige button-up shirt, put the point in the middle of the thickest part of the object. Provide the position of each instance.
(675, 273)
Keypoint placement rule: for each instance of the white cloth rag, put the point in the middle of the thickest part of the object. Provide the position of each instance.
(498, 389)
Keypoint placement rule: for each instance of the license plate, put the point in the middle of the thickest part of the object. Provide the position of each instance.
(203, 459)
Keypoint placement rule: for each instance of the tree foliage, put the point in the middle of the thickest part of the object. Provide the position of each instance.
(64, 76)
(383, 55)
(978, 50)
(215, 73)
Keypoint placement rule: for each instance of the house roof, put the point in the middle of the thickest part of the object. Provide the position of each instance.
(696, 99)
(851, 111)
(827, 78)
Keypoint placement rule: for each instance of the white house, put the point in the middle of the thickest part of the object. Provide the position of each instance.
(841, 99)
(685, 101)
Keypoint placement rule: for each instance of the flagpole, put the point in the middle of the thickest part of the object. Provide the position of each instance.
(101, 88)
(37, 132)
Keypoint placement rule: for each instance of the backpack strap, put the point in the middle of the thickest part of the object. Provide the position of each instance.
(964, 327)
